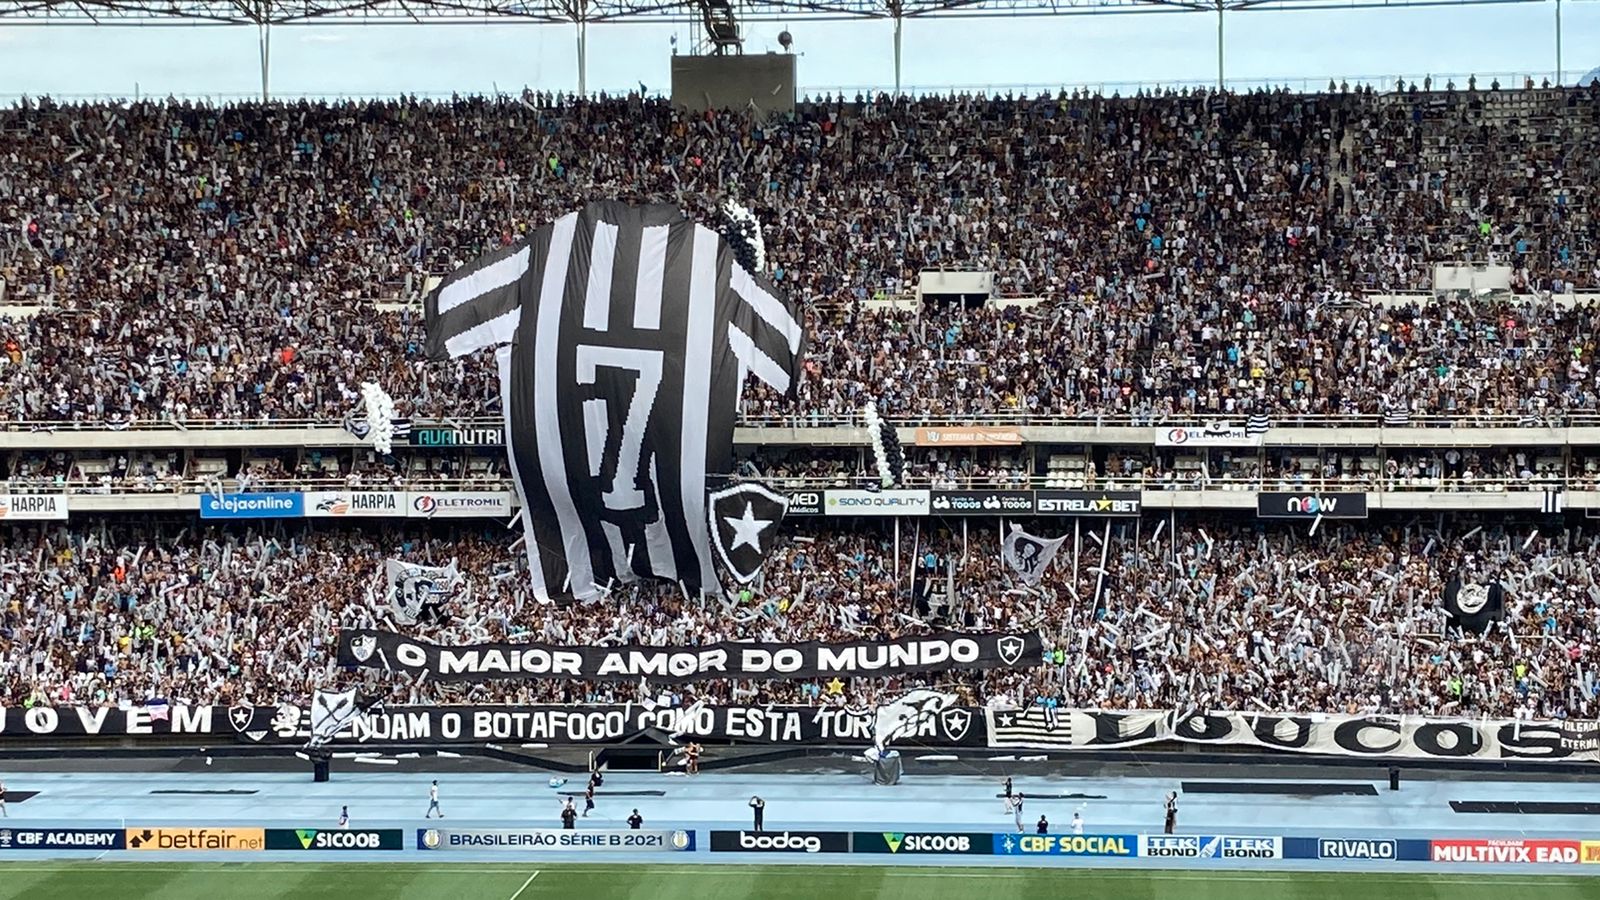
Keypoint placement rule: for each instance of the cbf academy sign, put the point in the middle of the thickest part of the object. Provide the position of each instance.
(729, 659)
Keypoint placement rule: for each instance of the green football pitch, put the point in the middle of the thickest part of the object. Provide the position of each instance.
(510, 881)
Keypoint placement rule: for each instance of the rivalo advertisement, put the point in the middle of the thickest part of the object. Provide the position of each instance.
(554, 840)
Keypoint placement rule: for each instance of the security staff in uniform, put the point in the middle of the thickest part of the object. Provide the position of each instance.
(635, 820)
(1043, 827)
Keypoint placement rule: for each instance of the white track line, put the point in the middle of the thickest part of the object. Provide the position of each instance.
(525, 884)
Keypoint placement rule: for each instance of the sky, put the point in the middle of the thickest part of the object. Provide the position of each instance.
(1299, 48)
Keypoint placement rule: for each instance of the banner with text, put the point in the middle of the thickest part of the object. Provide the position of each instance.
(1409, 737)
(16, 507)
(354, 504)
(289, 723)
(557, 840)
(968, 436)
(1214, 434)
(939, 652)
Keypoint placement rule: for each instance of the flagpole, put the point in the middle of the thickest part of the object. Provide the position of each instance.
(897, 552)
(964, 541)
(1077, 547)
(1105, 554)
(916, 540)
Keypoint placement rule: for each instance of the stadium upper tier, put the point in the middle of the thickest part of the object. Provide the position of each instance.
(1195, 254)
(1229, 616)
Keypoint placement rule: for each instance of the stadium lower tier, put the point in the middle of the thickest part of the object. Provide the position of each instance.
(1460, 617)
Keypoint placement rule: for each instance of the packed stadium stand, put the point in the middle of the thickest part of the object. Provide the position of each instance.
(1150, 256)
(190, 297)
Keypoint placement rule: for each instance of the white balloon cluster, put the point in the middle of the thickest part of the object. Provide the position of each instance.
(875, 435)
(380, 416)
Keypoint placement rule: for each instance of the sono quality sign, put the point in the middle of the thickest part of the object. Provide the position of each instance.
(354, 504)
(1088, 503)
(1290, 505)
(1193, 846)
(938, 652)
(1532, 851)
(982, 503)
(554, 840)
(33, 506)
(921, 842)
(1065, 844)
(335, 839)
(61, 839)
(876, 503)
(780, 842)
(252, 506)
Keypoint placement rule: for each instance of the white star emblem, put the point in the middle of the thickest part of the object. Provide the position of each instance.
(746, 529)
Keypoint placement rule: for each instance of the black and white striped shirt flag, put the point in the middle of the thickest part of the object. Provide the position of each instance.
(624, 336)
(1258, 423)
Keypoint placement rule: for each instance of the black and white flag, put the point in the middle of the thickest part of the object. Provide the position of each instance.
(624, 336)
(918, 712)
(1029, 556)
(412, 588)
(1472, 606)
(1396, 415)
(1258, 423)
(744, 525)
(1555, 500)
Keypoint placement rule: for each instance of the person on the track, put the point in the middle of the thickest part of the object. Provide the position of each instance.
(758, 807)
(433, 801)
(1172, 811)
(1016, 810)
(569, 815)
(3, 800)
(1008, 794)
(1043, 827)
(588, 798)
(344, 817)
(635, 820)
(1077, 823)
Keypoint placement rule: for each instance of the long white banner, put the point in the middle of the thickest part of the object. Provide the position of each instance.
(1409, 737)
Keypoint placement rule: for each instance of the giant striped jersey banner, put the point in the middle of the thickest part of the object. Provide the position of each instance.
(624, 335)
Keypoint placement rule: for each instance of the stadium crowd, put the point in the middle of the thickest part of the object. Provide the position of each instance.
(1194, 252)
(1222, 614)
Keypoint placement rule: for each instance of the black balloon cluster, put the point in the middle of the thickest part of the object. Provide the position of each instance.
(893, 453)
(743, 236)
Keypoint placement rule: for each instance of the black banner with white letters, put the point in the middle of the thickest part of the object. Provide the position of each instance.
(939, 652)
(1378, 737)
(555, 725)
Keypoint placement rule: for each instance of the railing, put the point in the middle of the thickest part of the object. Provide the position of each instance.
(144, 487)
(1374, 483)
(229, 485)
(1179, 420)
(1577, 419)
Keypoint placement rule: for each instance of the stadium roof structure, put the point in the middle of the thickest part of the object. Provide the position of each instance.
(355, 12)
